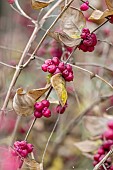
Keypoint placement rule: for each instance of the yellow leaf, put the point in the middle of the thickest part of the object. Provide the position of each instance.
(23, 102)
(109, 4)
(37, 4)
(58, 83)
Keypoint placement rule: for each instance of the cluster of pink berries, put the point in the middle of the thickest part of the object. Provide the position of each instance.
(60, 109)
(84, 6)
(41, 109)
(54, 66)
(89, 40)
(22, 148)
(107, 139)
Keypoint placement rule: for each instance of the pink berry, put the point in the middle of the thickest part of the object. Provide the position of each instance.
(65, 73)
(57, 71)
(69, 68)
(110, 124)
(83, 47)
(38, 106)
(85, 30)
(107, 144)
(108, 134)
(95, 163)
(69, 77)
(94, 38)
(61, 66)
(11, 1)
(101, 151)
(48, 62)
(60, 109)
(96, 157)
(44, 67)
(90, 49)
(37, 114)
(55, 61)
(45, 103)
(29, 148)
(84, 7)
(51, 68)
(111, 168)
(24, 153)
(47, 113)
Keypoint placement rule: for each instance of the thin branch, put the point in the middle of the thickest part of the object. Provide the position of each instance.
(92, 74)
(95, 65)
(109, 43)
(10, 66)
(100, 26)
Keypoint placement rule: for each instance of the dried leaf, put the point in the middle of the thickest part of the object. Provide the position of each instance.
(99, 15)
(38, 4)
(109, 4)
(58, 83)
(95, 125)
(65, 39)
(31, 164)
(23, 102)
(72, 22)
(86, 146)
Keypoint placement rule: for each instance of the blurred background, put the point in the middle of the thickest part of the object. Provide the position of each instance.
(62, 152)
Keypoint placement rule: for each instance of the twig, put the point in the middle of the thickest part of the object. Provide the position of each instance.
(100, 26)
(109, 43)
(92, 74)
(10, 66)
(103, 160)
(95, 65)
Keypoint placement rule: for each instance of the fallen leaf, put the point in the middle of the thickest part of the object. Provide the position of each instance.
(72, 22)
(109, 4)
(58, 83)
(86, 146)
(95, 125)
(23, 102)
(38, 4)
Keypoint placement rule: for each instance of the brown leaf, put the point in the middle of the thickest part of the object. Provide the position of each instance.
(86, 146)
(23, 102)
(109, 4)
(38, 4)
(95, 125)
(72, 22)
(58, 83)
(98, 15)
(31, 164)
(65, 39)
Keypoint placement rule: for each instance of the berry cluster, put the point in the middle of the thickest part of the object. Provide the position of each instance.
(22, 148)
(54, 66)
(107, 139)
(89, 40)
(84, 6)
(60, 109)
(41, 109)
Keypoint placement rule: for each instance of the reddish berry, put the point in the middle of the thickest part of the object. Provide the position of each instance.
(51, 69)
(44, 67)
(24, 153)
(61, 66)
(84, 7)
(11, 1)
(55, 61)
(101, 151)
(69, 68)
(108, 134)
(29, 148)
(45, 103)
(48, 62)
(96, 157)
(38, 106)
(85, 30)
(57, 71)
(47, 113)
(37, 114)
(65, 73)
(110, 124)
(111, 168)
(95, 163)
(90, 49)
(111, 19)
(69, 77)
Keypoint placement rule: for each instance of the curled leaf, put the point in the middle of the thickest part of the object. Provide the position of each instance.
(39, 4)
(58, 83)
(23, 102)
(109, 4)
(72, 22)
(86, 146)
